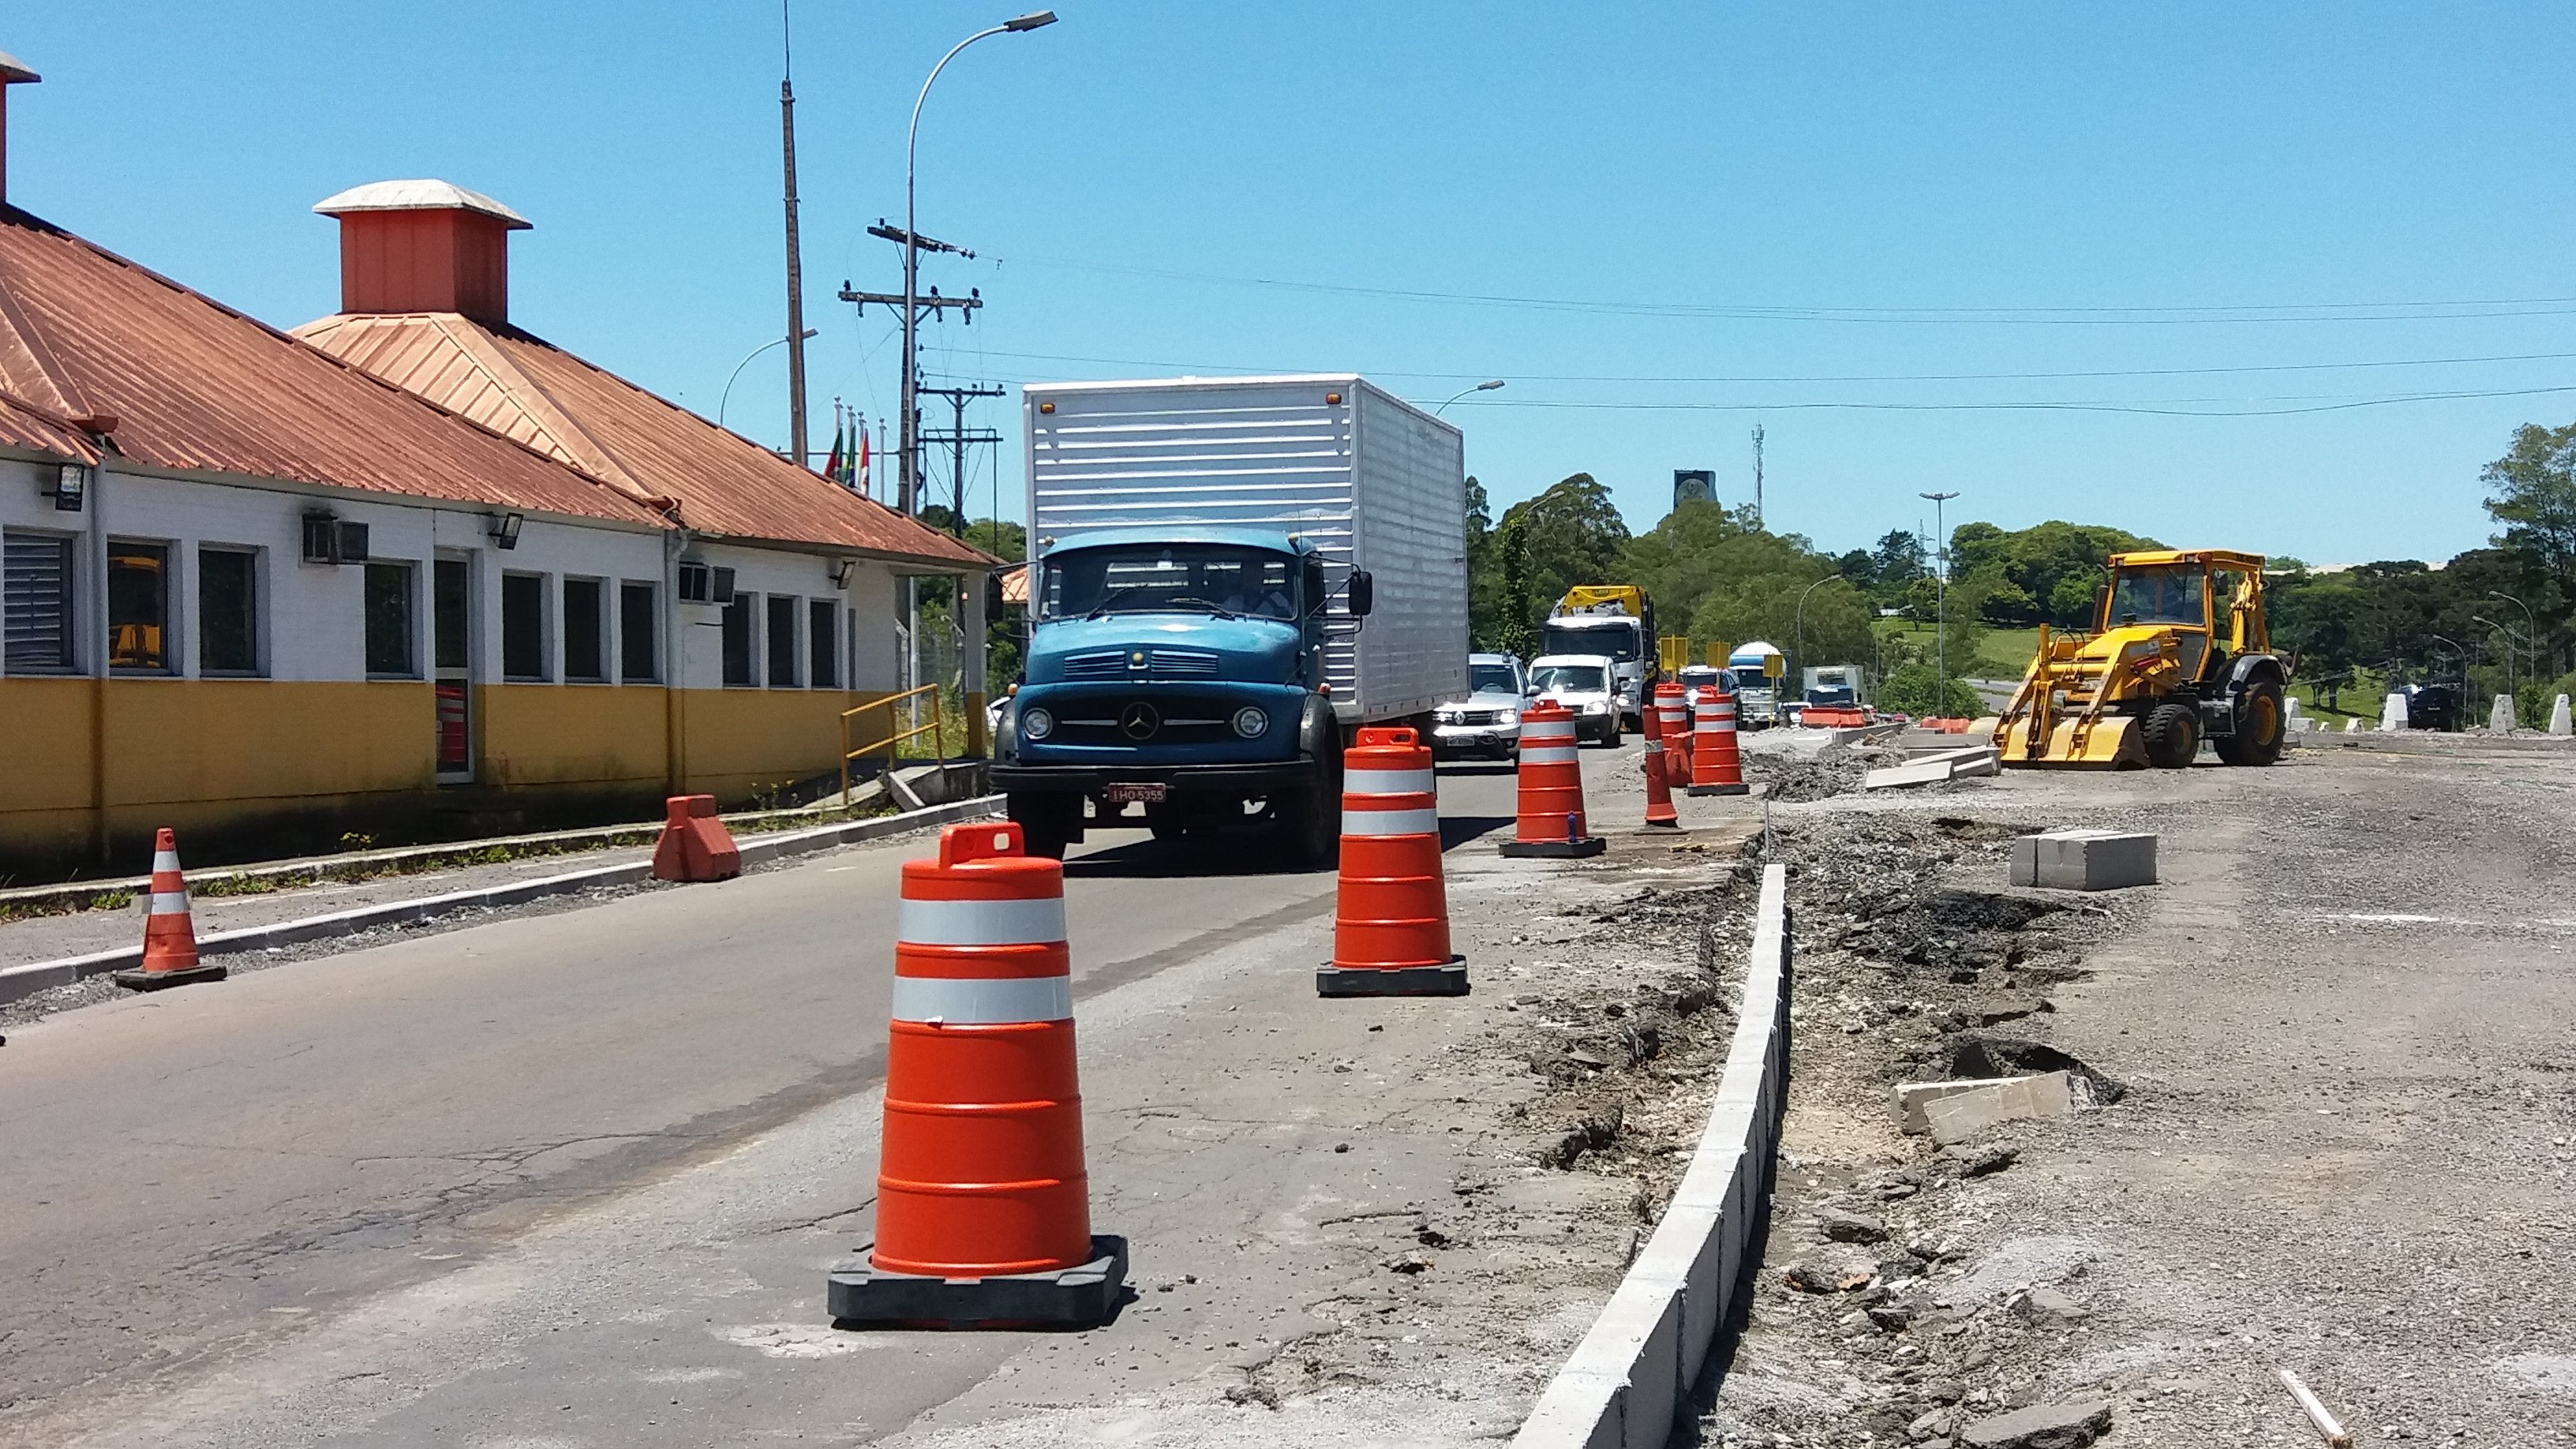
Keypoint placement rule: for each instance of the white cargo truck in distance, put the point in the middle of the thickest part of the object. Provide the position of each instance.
(1228, 577)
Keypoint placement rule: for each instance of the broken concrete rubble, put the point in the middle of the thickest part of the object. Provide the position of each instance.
(2041, 1426)
(2084, 860)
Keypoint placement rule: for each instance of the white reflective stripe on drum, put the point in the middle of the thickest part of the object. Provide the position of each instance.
(1370, 823)
(1373, 781)
(980, 923)
(983, 1001)
(1548, 754)
(169, 903)
(1541, 729)
(164, 860)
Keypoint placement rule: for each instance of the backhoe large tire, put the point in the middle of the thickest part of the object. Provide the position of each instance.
(2261, 723)
(2171, 734)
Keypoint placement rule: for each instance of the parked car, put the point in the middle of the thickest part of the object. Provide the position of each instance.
(1585, 684)
(2432, 707)
(1488, 721)
(1698, 679)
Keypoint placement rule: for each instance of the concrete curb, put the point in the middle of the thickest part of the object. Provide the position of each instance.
(1628, 1381)
(35, 976)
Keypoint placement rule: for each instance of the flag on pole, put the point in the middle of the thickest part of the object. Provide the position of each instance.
(832, 467)
(859, 469)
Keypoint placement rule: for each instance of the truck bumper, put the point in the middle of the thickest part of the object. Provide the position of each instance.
(1249, 780)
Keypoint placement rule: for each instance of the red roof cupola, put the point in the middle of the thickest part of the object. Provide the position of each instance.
(424, 246)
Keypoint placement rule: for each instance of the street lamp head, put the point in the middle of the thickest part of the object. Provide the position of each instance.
(1938, 497)
(1034, 20)
(1489, 386)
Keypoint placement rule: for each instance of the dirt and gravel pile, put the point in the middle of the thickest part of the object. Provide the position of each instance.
(1896, 1303)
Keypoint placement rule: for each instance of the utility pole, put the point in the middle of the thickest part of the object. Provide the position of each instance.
(1757, 475)
(1941, 608)
(795, 257)
(957, 437)
(912, 304)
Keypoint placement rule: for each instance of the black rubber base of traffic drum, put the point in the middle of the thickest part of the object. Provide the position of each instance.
(1715, 789)
(1555, 849)
(1449, 980)
(141, 980)
(1067, 1298)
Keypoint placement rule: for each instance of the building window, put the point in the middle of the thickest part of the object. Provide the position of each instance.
(523, 626)
(823, 643)
(138, 607)
(782, 641)
(35, 602)
(585, 643)
(227, 611)
(637, 626)
(389, 607)
(737, 640)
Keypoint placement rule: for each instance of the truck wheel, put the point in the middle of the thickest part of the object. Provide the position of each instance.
(2171, 733)
(2260, 724)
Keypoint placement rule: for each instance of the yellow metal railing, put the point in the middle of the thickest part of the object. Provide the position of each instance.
(893, 737)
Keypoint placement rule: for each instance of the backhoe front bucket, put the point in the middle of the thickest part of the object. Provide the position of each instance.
(2112, 743)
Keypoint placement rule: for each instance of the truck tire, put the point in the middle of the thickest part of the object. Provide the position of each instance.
(1311, 823)
(2171, 734)
(2261, 723)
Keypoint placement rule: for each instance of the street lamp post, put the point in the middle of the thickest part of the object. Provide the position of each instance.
(909, 462)
(1941, 608)
(2531, 626)
(1480, 387)
(1799, 632)
(2513, 644)
(727, 400)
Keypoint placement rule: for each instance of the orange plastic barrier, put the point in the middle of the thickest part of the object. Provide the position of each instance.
(1672, 702)
(1720, 765)
(695, 845)
(1551, 820)
(169, 932)
(1659, 794)
(983, 1210)
(1391, 905)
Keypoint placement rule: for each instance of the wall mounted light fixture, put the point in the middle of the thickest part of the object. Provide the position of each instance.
(71, 485)
(842, 568)
(504, 528)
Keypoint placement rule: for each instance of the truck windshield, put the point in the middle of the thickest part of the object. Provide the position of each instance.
(1618, 638)
(1567, 679)
(2167, 595)
(1490, 678)
(1174, 578)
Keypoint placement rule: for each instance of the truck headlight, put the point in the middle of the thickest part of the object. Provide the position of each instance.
(1595, 707)
(1036, 724)
(1251, 723)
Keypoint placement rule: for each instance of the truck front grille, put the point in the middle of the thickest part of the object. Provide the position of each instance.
(1144, 720)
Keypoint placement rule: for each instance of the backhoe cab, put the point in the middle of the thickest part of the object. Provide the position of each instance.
(2179, 654)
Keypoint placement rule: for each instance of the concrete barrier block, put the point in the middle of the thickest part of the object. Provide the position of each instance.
(2352, 726)
(2559, 723)
(1962, 1115)
(2392, 712)
(2084, 860)
(2500, 718)
(1914, 1099)
(1895, 776)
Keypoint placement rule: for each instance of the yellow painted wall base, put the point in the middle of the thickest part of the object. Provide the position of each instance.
(264, 768)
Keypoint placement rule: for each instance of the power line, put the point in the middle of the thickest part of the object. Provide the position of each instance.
(2276, 312)
(1683, 380)
(2176, 408)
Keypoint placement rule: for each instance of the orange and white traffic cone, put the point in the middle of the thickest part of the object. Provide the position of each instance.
(1672, 702)
(169, 933)
(1391, 906)
(1551, 819)
(1659, 795)
(983, 1206)
(1719, 765)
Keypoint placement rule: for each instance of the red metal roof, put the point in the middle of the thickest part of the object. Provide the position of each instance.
(528, 389)
(93, 345)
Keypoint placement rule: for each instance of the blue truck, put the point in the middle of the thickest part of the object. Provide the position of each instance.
(1228, 578)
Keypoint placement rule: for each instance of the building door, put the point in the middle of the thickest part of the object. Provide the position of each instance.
(451, 633)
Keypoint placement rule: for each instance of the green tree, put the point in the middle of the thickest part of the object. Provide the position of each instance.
(2535, 495)
(1518, 631)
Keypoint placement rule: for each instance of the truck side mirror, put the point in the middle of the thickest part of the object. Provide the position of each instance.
(1363, 593)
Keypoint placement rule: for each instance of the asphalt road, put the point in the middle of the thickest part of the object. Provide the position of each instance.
(199, 1178)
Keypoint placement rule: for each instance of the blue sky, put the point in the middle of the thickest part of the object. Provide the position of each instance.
(1793, 214)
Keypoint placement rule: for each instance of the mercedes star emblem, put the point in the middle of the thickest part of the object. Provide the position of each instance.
(1138, 721)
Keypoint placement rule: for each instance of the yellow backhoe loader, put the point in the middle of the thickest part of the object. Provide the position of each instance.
(2179, 654)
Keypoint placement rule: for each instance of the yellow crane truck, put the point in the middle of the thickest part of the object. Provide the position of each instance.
(2179, 653)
